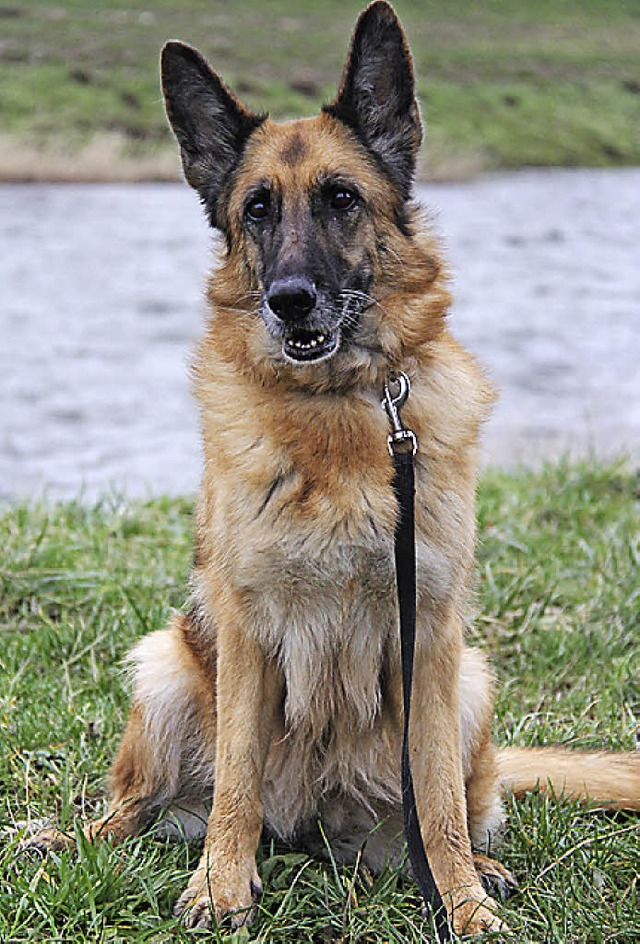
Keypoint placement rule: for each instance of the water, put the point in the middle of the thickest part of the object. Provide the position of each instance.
(100, 304)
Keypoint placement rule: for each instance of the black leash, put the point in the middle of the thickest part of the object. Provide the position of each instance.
(403, 446)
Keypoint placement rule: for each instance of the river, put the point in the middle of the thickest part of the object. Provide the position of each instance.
(101, 301)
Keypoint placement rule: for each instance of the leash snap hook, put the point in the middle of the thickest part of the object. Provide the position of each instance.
(400, 439)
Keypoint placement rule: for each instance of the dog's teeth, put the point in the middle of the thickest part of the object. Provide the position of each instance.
(308, 346)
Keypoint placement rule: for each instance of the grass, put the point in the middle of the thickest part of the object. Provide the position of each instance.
(503, 84)
(558, 609)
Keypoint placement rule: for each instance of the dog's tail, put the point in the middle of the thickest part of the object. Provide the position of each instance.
(608, 781)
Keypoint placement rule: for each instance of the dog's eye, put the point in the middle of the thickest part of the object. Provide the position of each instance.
(258, 208)
(341, 199)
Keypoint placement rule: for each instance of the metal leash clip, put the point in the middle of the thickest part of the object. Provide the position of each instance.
(400, 438)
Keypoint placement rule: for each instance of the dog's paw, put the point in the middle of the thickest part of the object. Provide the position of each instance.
(497, 881)
(41, 839)
(210, 897)
(473, 916)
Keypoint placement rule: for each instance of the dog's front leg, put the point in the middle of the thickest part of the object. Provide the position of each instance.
(436, 762)
(248, 695)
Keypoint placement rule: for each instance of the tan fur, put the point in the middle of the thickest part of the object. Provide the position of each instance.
(608, 781)
(281, 687)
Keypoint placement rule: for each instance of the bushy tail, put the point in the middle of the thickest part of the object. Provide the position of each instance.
(610, 781)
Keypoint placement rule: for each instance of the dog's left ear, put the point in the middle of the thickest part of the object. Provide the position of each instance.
(377, 96)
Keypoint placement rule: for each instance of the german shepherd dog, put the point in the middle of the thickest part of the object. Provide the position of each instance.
(275, 699)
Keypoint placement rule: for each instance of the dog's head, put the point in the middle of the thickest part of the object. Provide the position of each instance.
(316, 213)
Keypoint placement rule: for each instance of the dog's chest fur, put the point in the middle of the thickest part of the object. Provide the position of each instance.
(316, 569)
(330, 622)
(325, 614)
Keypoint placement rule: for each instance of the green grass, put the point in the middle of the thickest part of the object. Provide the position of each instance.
(558, 609)
(503, 83)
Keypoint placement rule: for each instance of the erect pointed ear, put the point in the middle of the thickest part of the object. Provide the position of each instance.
(211, 125)
(377, 96)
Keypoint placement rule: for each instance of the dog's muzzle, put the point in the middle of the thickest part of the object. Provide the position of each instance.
(293, 301)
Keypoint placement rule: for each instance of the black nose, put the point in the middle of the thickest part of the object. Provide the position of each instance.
(291, 299)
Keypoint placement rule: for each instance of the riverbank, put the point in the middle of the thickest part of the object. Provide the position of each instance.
(502, 85)
(557, 611)
(110, 157)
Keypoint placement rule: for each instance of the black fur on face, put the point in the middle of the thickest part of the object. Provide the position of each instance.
(311, 261)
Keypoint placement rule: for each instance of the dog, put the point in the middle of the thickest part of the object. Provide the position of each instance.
(275, 700)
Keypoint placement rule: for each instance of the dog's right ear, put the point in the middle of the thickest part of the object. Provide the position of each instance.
(212, 127)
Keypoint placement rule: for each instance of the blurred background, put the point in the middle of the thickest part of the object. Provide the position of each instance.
(530, 174)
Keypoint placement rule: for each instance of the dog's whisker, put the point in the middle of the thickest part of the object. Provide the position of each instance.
(350, 320)
(391, 252)
(243, 311)
(358, 296)
(248, 296)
